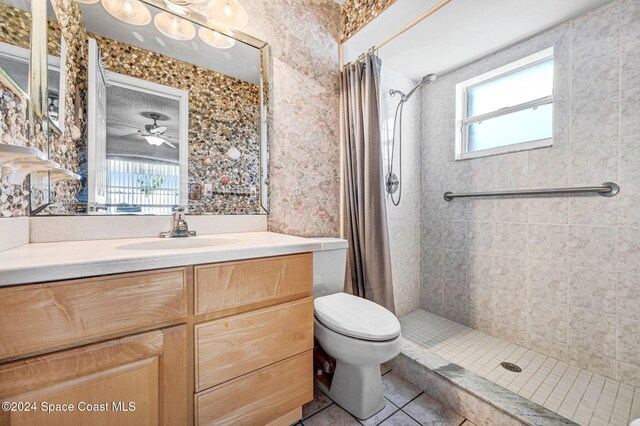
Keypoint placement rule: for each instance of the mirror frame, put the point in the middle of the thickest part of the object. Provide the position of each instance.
(38, 87)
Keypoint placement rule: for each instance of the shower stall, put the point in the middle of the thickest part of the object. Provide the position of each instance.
(526, 299)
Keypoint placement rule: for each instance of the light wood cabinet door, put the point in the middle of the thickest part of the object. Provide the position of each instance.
(232, 287)
(137, 380)
(258, 398)
(232, 346)
(45, 317)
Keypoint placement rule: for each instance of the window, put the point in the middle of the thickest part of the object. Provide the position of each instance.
(507, 109)
(142, 187)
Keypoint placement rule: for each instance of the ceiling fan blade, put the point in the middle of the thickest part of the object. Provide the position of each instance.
(130, 134)
(170, 144)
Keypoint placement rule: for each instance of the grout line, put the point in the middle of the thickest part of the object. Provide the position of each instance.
(412, 399)
(322, 409)
(386, 418)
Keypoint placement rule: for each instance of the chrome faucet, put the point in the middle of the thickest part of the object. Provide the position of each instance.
(180, 227)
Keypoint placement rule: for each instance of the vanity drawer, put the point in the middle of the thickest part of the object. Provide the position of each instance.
(236, 345)
(227, 288)
(43, 317)
(259, 397)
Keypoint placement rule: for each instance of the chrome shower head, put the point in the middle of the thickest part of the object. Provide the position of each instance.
(428, 79)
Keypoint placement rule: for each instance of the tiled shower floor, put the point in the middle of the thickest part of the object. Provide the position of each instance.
(577, 394)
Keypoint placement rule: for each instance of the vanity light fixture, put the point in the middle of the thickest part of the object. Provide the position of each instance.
(132, 12)
(175, 27)
(228, 13)
(215, 39)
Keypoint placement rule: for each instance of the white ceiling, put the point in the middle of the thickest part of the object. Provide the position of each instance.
(459, 33)
(241, 61)
(126, 110)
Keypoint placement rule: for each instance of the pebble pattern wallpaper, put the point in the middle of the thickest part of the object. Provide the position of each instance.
(65, 150)
(304, 162)
(224, 112)
(15, 29)
(358, 13)
(14, 130)
(70, 148)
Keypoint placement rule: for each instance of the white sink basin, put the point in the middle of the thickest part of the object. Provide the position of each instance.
(178, 243)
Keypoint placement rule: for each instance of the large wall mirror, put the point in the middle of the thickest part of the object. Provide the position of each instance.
(152, 104)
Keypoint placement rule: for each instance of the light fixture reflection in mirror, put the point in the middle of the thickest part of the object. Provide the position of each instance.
(174, 27)
(176, 8)
(228, 13)
(185, 2)
(154, 140)
(130, 11)
(215, 39)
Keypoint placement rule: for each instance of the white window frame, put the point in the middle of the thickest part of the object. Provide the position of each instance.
(462, 122)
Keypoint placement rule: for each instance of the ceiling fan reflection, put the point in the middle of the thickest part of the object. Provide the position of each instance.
(152, 133)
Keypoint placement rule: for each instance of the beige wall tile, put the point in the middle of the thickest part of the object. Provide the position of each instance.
(629, 341)
(548, 243)
(592, 331)
(548, 282)
(548, 320)
(592, 289)
(511, 240)
(629, 296)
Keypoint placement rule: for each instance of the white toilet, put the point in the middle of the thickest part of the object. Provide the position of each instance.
(358, 333)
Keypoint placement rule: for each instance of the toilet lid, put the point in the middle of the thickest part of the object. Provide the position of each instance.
(356, 317)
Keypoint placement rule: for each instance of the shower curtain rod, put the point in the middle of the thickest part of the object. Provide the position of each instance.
(407, 27)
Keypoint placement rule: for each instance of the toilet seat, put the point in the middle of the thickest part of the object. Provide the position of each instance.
(356, 317)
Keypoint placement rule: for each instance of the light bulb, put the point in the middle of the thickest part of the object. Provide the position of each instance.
(215, 39)
(132, 12)
(174, 26)
(228, 13)
(154, 140)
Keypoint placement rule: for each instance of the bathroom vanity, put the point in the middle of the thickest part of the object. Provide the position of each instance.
(224, 341)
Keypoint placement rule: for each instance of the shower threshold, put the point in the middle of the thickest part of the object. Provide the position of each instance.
(462, 367)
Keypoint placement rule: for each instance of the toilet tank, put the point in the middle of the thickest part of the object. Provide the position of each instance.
(329, 266)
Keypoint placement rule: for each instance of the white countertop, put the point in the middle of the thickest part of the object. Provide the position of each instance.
(38, 262)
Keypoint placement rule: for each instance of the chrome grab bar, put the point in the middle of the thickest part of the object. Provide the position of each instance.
(607, 189)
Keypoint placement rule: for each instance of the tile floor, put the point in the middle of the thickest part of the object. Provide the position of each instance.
(575, 393)
(406, 406)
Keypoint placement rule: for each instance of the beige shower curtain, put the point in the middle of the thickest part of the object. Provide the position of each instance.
(366, 213)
